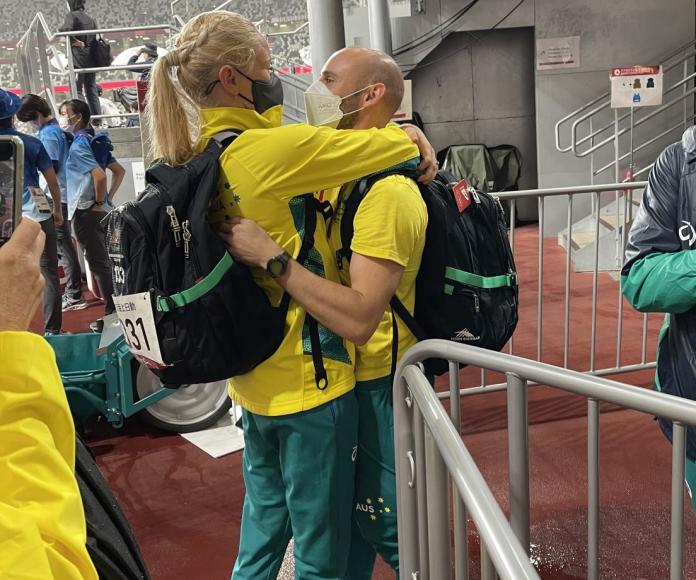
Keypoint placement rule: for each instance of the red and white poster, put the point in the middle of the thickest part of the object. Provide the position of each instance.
(636, 86)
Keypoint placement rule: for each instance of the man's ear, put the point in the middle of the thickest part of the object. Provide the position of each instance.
(374, 94)
(228, 80)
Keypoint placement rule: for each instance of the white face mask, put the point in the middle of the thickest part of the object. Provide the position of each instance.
(323, 107)
(64, 123)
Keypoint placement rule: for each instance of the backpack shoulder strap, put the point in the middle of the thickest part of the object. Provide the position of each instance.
(411, 323)
(311, 208)
(225, 138)
(352, 203)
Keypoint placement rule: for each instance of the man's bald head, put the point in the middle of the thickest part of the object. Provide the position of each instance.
(358, 67)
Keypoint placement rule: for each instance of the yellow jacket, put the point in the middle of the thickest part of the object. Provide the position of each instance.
(263, 172)
(42, 523)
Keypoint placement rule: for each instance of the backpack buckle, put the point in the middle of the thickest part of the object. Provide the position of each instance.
(170, 304)
(325, 209)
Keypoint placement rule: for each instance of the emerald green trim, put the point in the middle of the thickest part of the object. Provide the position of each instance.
(167, 304)
(502, 281)
(449, 289)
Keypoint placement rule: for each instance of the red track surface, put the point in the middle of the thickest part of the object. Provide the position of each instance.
(185, 507)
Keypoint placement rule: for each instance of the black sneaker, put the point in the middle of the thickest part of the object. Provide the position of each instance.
(97, 326)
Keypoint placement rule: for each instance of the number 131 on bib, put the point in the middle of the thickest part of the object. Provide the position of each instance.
(137, 320)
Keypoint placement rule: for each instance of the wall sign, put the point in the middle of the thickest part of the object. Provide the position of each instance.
(554, 53)
(636, 86)
(399, 8)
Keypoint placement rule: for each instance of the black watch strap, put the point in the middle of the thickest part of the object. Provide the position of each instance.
(276, 266)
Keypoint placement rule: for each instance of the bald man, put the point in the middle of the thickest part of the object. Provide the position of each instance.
(387, 246)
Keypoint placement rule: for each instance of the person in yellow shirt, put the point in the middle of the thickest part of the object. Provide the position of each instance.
(42, 522)
(300, 427)
(387, 246)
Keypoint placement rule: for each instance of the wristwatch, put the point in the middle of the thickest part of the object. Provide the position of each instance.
(276, 266)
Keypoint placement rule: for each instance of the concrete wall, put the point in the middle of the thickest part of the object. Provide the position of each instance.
(480, 89)
(617, 33)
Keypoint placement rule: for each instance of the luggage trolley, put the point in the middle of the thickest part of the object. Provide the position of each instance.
(101, 376)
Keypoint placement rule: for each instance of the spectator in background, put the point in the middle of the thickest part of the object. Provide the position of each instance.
(42, 521)
(108, 107)
(145, 55)
(77, 19)
(37, 111)
(89, 157)
(36, 205)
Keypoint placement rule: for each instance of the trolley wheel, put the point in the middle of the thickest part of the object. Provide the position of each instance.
(189, 409)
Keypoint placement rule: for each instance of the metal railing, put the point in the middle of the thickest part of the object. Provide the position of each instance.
(606, 134)
(36, 44)
(571, 196)
(428, 446)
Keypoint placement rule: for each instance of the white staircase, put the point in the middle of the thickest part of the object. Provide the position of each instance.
(613, 220)
(613, 141)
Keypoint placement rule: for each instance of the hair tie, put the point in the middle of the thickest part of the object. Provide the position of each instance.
(173, 58)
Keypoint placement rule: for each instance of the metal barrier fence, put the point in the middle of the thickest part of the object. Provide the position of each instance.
(569, 194)
(428, 446)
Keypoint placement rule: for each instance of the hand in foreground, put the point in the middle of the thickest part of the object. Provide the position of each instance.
(248, 242)
(428, 165)
(22, 283)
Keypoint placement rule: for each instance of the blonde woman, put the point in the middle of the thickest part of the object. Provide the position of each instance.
(300, 430)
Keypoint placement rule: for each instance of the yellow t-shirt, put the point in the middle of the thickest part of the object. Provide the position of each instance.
(390, 224)
(42, 521)
(262, 173)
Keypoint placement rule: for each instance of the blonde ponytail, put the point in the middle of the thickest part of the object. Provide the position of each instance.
(205, 43)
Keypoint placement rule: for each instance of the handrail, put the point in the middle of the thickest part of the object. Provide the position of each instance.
(305, 25)
(107, 30)
(636, 398)
(643, 145)
(624, 116)
(42, 20)
(625, 130)
(679, 411)
(666, 68)
(508, 555)
(133, 67)
(569, 117)
(40, 80)
(552, 191)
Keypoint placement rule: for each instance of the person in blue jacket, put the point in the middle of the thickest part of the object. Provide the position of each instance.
(39, 207)
(88, 199)
(659, 274)
(37, 111)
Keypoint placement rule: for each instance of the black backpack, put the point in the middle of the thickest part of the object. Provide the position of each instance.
(213, 321)
(110, 541)
(466, 289)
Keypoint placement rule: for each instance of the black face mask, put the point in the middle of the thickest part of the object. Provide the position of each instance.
(264, 94)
